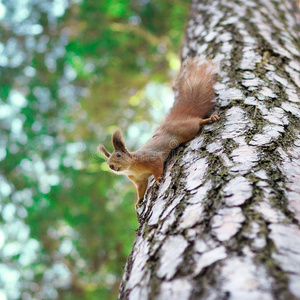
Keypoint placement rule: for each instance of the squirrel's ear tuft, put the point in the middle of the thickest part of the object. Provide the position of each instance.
(103, 150)
(118, 141)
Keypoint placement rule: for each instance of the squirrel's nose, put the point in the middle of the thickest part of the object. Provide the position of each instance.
(112, 166)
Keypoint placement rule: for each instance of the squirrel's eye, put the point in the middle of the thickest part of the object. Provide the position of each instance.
(118, 155)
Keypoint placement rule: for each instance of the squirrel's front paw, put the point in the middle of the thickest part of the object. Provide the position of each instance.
(157, 182)
(138, 201)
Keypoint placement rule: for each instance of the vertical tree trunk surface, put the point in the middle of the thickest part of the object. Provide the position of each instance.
(224, 223)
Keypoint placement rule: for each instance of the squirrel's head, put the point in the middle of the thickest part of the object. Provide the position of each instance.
(120, 159)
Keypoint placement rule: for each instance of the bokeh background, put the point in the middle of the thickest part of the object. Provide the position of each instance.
(70, 73)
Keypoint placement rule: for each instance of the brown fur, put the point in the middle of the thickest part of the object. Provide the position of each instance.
(194, 96)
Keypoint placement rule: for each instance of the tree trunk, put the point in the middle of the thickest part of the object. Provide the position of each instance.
(224, 223)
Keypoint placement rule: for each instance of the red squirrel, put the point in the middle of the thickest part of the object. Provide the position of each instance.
(194, 96)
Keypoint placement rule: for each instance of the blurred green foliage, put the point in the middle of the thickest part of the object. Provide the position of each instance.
(71, 71)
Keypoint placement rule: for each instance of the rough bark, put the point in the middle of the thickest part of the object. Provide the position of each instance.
(224, 223)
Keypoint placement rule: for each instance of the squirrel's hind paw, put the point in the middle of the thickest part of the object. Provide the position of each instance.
(214, 118)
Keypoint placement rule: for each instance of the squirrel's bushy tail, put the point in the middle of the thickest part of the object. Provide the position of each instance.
(194, 93)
